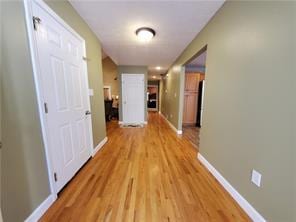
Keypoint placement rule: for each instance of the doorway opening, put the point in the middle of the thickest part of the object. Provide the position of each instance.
(152, 96)
(194, 83)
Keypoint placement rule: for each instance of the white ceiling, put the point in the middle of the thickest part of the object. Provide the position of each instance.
(176, 24)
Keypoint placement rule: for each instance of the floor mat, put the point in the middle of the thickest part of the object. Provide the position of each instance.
(132, 125)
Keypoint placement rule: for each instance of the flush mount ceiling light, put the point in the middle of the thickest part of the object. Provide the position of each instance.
(154, 77)
(145, 34)
(158, 67)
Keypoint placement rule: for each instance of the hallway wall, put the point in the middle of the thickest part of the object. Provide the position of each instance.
(249, 111)
(24, 175)
(109, 75)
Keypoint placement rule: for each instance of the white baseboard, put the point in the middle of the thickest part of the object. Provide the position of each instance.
(99, 146)
(1, 218)
(171, 125)
(41, 209)
(245, 205)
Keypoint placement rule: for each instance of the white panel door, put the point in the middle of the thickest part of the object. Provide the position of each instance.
(65, 91)
(133, 98)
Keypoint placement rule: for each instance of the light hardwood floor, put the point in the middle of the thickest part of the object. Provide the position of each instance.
(192, 134)
(146, 175)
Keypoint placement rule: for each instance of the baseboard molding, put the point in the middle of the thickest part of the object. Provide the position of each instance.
(41, 209)
(171, 125)
(245, 205)
(99, 146)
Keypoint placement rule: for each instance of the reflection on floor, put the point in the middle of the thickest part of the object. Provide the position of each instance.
(144, 174)
(192, 134)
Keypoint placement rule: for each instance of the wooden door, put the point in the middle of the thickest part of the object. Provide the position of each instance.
(190, 98)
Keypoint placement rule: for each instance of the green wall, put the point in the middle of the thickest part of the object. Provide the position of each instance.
(24, 173)
(94, 66)
(249, 100)
(131, 70)
(294, 119)
(110, 75)
(170, 95)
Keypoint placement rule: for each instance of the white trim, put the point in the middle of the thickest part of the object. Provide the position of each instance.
(37, 81)
(99, 146)
(41, 209)
(179, 132)
(1, 218)
(245, 205)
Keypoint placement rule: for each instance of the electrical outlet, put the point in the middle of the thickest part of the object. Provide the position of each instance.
(175, 95)
(171, 115)
(256, 178)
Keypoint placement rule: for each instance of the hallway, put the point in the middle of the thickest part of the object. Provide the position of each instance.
(144, 174)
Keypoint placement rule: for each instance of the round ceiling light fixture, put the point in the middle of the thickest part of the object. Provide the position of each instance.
(145, 34)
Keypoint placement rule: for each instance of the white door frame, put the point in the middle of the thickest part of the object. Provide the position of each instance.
(37, 80)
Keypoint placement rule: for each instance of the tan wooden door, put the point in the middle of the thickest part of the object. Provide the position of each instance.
(190, 98)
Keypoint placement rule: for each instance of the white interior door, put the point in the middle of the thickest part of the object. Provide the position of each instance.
(133, 98)
(64, 84)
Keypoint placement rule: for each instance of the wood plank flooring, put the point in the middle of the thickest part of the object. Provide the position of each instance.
(192, 134)
(146, 175)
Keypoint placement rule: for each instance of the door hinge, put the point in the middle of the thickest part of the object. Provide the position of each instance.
(36, 20)
(45, 108)
(85, 58)
(55, 177)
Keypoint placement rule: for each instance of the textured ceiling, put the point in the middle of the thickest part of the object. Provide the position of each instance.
(176, 24)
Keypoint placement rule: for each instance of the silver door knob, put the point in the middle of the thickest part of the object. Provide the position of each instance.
(87, 112)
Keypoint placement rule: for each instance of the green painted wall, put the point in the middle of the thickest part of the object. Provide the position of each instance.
(110, 75)
(153, 82)
(131, 70)
(294, 119)
(170, 95)
(24, 174)
(94, 66)
(249, 100)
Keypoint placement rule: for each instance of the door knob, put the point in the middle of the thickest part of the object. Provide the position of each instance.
(87, 112)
